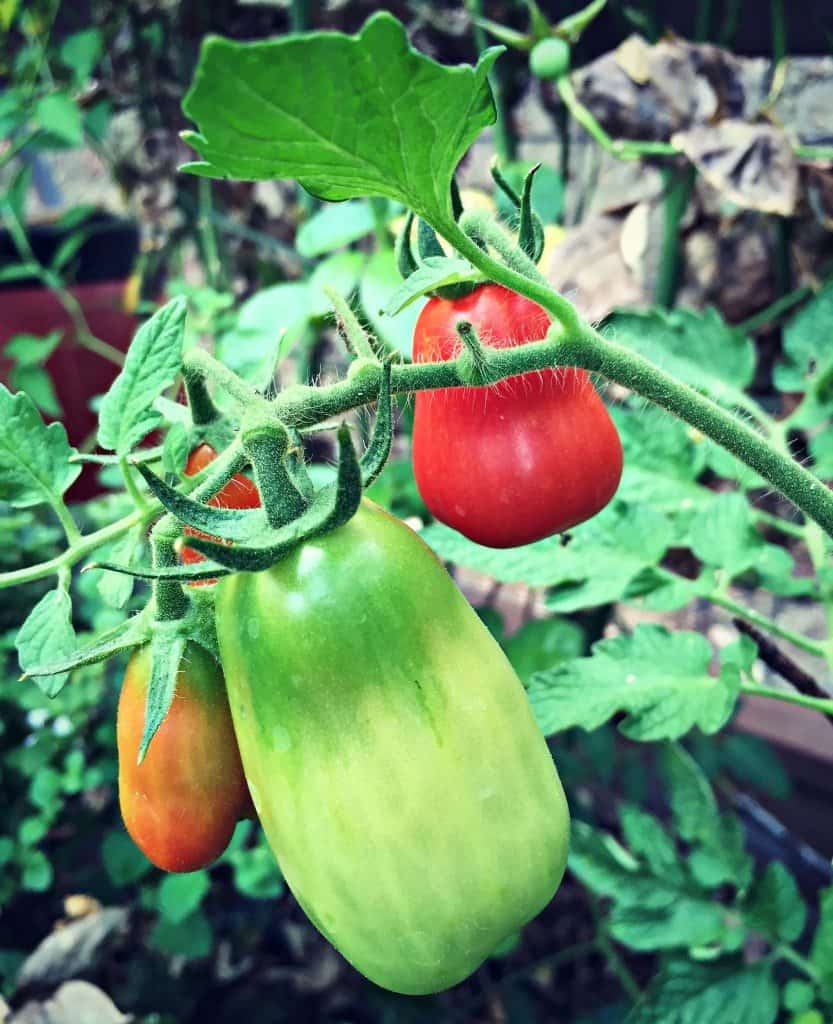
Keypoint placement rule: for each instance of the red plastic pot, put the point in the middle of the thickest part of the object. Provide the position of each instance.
(103, 269)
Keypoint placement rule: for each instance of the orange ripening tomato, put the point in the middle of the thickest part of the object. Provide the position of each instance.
(239, 492)
(181, 804)
(519, 460)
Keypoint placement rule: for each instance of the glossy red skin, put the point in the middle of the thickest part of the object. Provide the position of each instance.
(181, 804)
(239, 492)
(518, 461)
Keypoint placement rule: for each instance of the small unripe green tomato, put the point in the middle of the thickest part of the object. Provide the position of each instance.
(550, 58)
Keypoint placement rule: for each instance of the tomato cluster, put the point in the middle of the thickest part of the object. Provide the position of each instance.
(386, 741)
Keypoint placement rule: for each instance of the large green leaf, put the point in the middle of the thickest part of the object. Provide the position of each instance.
(698, 348)
(379, 279)
(726, 991)
(34, 458)
(47, 635)
(717, 841)
(775, 906)
(153, 363)
(656, 903)
(595, 567)
(347, 116)
(808, 342)
(660, 678)
(821, 952)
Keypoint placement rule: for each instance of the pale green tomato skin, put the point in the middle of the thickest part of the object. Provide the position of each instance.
(391, 754)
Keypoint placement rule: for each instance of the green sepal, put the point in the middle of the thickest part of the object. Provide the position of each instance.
(504, 186)
(128, 634)
(332, 506)
(571, 27)
(167, 645)
(181, 573)
(509, 36)
(267, 447)
(530, 229)
(405, 262)
(228, 523)
(203, 409)
(540, 26)
(427, 242)
(376, 454)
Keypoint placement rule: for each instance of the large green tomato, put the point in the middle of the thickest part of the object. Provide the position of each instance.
(391, 754)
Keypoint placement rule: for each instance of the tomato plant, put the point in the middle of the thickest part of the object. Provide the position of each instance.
(398, 765)
(181, 804)
(511, 463)
(391, 826)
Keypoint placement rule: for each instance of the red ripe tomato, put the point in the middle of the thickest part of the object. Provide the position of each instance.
(519, 460)
(181, 804)
(239, 492)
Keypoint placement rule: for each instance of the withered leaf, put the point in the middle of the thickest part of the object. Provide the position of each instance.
(753, 165)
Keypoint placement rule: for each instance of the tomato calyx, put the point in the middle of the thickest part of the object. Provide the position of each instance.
(428, 267)
(292, 511)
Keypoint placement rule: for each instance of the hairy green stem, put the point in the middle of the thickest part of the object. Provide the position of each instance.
(583, 347)
(785, 952)
(788, 696)
(619, 364)
(534, 287)
(722, 599)
(679, 184)
(478, 224)
(199, 363)
(203, 486)
(203, 409)
(75, 552)
(775, 309)
(623, 149)
(355, 335)
(139, 499)
(504, 137)
(70, 527)
(635, 149)
(213, 266)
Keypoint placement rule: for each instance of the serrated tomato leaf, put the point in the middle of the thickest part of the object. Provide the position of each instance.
(34, 458)
(153, 362)
(291, 108)
(661, 679)
(47, 635)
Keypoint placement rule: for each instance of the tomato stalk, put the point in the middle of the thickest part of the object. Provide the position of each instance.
(267, 449)
(203, 409)
(171, 602)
